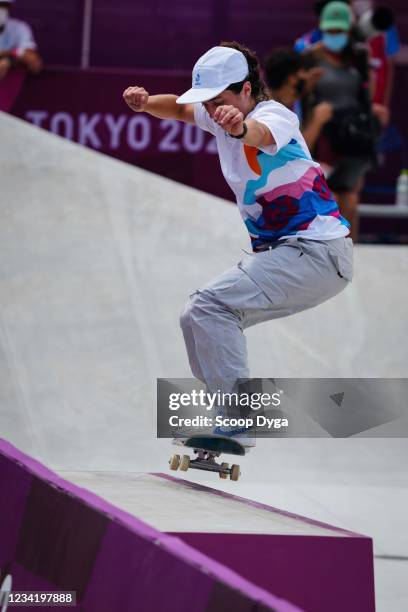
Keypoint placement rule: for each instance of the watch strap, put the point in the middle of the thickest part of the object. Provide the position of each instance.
(245, 130)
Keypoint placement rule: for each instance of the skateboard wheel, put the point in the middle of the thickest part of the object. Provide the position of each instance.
(222, 474)
(185, 463)
(174, 462)
(234, 473)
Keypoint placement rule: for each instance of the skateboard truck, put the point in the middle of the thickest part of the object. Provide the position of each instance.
(205, 460)
(207, 447)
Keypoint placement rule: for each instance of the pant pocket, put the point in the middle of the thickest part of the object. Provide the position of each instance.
(242, 295)
(258, 267)
(343, 259)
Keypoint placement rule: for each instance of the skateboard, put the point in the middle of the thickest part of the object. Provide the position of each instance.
(207, 447)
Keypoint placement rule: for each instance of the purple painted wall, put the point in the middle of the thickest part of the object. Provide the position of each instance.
(163, 34)
(342, 567)
(57, 28)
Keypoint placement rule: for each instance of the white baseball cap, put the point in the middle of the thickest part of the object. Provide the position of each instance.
(213, 72)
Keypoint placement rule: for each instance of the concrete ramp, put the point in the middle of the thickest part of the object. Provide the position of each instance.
(59, 538)
(97, 259)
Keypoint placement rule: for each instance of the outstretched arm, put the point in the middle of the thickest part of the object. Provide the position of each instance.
(162, 106)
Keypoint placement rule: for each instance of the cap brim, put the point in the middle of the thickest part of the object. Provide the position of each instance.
(334, 25)
(195, 94)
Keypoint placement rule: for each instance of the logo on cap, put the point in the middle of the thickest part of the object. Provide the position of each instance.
(197, 81)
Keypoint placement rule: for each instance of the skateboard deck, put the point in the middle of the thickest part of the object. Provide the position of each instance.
(207, 447)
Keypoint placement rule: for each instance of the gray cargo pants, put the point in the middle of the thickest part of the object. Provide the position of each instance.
(295, 275)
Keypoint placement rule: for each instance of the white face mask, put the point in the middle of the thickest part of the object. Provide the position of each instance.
(3, 16)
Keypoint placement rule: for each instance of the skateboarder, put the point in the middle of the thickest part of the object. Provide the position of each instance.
(302, 255)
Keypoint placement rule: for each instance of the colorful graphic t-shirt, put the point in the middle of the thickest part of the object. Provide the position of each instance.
(280, 191)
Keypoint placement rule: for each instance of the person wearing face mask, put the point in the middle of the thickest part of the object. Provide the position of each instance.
(17, 44)
(376, 27)
(313, 36)
(346, 145)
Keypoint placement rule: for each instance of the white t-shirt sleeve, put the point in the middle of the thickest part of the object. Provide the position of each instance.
(203, 119)
(24, 37)
(282, 123)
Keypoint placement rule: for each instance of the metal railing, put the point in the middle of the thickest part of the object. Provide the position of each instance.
(382, 210)
(86, 34)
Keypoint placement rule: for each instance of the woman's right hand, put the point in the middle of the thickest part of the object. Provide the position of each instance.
(136, 98)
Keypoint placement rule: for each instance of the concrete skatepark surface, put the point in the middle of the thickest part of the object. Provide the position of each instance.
(97, 259)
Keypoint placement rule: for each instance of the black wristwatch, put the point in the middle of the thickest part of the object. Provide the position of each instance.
(240, 135)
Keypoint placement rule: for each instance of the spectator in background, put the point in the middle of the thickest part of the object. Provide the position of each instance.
(289, 80)
(314, 36)
(347, 141)
(377, 27)
(17, 44)
(283, 74)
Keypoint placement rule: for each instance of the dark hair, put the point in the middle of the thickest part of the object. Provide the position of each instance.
(259, 90)
(280, 64)
(382, 18)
